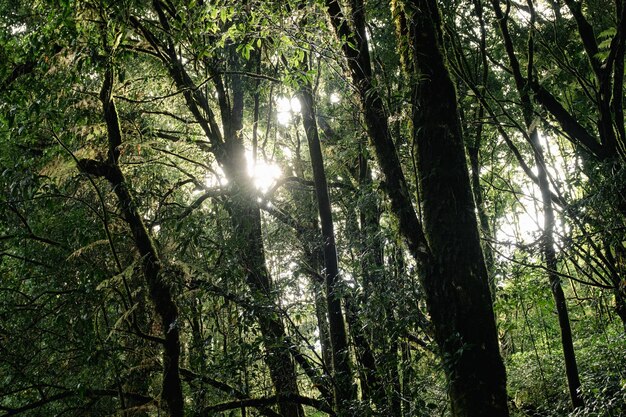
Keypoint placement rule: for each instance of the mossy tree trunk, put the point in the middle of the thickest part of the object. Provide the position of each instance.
(160, 291)
(447, 246)
(457, 288)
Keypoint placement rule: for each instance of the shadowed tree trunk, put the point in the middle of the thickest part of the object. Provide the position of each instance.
(448, 249)
(342, 374)
(159, 290)
(457, 291)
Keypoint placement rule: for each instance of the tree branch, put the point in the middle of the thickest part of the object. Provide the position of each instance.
(267, 401)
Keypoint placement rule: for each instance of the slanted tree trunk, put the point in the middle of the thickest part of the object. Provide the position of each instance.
(321, 314)
(457, 291)
(159, 290)
(448, 249)
(228, 148)
(370, 332)
(569, 355)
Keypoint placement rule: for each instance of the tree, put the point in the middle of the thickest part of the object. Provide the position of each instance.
(230, 154)
(160, 293)
(213, 208)
(343, 385)
(457, 296)
(548, 250)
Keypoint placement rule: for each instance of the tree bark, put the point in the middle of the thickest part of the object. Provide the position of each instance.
(160, 292)
(448, 251)
(342, 373)
(457, 291)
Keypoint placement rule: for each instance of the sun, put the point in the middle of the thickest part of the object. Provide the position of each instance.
(286, 108)
(263, 174)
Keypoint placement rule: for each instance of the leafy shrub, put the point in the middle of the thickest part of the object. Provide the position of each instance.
(537, 384)
(603, 376)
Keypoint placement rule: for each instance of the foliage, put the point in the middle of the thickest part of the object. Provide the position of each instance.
(79, 329)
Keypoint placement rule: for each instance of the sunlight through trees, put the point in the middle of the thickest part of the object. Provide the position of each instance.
(306, 208)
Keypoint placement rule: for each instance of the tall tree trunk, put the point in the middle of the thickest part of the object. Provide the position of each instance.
(608, 144)
(377, 300)
(246, 220)
(453, 272)
(227, 146)
(342, 373)
(366, 362)
(310, 239)
(321, 314)
(460, 303)
(485, 227)
(473, 152)
(308, 233)
(571, 368)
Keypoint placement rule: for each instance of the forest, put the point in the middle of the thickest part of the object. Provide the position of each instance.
(312, 208)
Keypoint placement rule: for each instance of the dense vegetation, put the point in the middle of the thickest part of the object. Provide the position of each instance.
(312, 207)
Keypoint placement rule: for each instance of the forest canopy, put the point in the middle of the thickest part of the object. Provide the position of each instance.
(312, 207)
